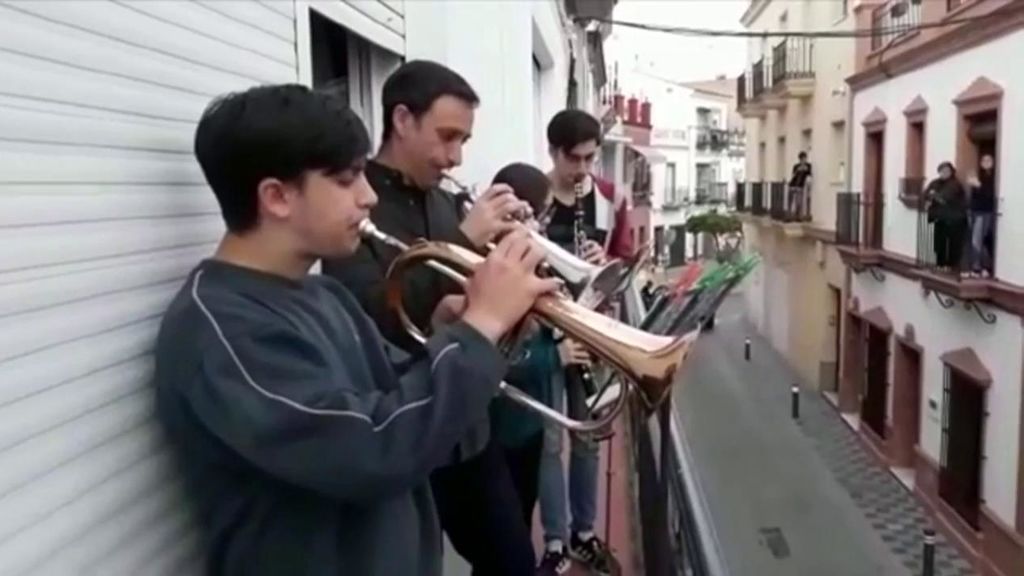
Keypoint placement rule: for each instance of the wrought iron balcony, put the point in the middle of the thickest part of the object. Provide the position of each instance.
(792, 68)
(712, 193)
(758, 206)
(848, 211)
(741, 197)
(893, 20)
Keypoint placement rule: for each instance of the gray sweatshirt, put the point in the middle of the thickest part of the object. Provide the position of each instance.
(306, 440)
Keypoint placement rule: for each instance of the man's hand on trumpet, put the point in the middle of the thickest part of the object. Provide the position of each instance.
(504, 287)
(493, 214)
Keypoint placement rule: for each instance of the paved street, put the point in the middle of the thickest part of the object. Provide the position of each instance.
(789, 499)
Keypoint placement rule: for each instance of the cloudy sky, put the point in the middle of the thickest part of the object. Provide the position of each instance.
(670, 56)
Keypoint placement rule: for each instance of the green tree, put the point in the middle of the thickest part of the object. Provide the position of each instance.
(725, 230)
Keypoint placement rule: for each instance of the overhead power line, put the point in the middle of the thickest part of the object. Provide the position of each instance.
(861, 33)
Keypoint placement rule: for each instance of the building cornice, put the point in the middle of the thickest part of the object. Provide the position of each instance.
(753, 11)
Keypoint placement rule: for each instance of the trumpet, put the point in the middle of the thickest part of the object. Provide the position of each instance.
(647, 361)
(589, 284)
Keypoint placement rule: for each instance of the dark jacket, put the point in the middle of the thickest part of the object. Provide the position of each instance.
(946, 200)
(409, 214)
(511, 424)
(983, 198)
(306, 440)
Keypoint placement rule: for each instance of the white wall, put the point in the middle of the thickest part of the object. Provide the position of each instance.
(939, 83)
(998, 346)
(492, 45)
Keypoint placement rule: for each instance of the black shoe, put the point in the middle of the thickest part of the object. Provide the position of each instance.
(554, 562)
(592, 553)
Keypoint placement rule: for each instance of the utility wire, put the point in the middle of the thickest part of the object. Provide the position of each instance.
(880, 31)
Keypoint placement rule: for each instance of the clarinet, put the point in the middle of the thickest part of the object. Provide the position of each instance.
(578, 374)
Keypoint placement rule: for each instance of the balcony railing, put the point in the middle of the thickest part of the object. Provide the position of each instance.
(675, 198)
(954, 242)
(848, 212)
(741, 197)
(741, 90)
(758, 206)
(789, 204)
(712, 193)
(894, 19)
(792, 59)
(760, 78)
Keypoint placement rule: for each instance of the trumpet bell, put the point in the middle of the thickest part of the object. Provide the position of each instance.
(590, 284)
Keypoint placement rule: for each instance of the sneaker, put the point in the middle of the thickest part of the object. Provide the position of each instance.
(593, 553)
(554, 562)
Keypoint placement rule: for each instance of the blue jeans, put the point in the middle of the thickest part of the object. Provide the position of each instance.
(583, 470)
(981, 227)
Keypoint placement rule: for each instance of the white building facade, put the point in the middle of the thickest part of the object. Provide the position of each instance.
(103, 211)
(933, 359)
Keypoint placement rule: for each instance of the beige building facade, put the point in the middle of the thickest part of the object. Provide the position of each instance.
(794, 99)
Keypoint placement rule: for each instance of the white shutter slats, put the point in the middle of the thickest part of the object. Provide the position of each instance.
(67, 506)
(31, 458)
(119, 23)
(105, 536)
(103, 212)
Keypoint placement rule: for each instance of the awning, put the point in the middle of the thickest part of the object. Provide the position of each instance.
(652, 155)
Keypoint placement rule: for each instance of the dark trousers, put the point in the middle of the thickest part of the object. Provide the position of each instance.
(480, 512)
(524, 466)
(950, 236)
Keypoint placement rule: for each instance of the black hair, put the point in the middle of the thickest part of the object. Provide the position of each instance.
(947, 164)
(279, 131)
(570, 128)
(417, 84)
(527, 182)
(802, 156)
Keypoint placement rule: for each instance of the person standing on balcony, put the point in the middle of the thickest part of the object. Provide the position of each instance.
(574, 138)
(946, 209)
(799, 184)
(983, 209)
(428, 117)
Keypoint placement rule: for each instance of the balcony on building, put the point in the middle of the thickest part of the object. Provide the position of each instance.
(675, 198)
(711, 193)
(858, 245)
(893, 20)
(792, 68)
(789, 204)
(947, 257)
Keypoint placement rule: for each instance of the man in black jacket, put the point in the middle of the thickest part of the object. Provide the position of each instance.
(428, 117)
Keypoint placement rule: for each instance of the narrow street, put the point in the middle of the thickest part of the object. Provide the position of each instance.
(778, 505)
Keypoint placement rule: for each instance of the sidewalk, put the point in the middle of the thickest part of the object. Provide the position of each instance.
(788, 498)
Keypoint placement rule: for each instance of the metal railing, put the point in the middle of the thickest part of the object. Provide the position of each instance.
(741, 197)
(793, 58)
(758, 207)
(712, 193)
(894, 19)
(789, 203)
(741, 90)
(848, 227)
(678, 536)
(760, 77)
(911, 189)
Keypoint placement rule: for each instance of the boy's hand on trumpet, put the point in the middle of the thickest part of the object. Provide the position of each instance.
(492, 215)
(504, 287)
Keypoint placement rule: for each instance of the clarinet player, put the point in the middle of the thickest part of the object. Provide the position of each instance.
(590, 217)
